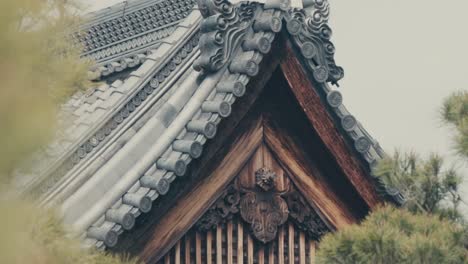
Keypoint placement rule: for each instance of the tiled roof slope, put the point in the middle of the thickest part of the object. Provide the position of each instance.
(129, 141)
(120, 37)
(97, 118)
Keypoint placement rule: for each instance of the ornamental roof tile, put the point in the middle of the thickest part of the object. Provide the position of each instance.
(128, 141)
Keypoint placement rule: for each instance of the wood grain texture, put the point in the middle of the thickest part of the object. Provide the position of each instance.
(188, 259)
(281, 153)
(250, 249)
(291, 243)
(229, 242)
(240, 243)
(214, 151)
(261, 255)
(191, 207)
(302, 248)
(271, 253)
(198, 248)
(177, 253)
(318, 115)
(219, 245)
(312, 252)
(209, 246)
(281, 245)
(306, 178)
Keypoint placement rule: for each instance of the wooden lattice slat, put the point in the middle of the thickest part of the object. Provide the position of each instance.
(232, 243)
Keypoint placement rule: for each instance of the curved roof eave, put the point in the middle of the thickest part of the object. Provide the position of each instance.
(167, 111)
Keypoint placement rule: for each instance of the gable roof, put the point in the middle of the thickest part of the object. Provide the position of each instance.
(128, 140)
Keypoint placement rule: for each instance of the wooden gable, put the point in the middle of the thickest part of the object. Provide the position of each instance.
(249, 224)
(197, 105)
(277, 126)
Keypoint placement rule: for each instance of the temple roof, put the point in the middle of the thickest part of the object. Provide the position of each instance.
(171, 71)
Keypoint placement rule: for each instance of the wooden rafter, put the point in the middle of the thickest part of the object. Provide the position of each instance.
(306, 94)
(191, 207)
(313, 154)
(257, 144)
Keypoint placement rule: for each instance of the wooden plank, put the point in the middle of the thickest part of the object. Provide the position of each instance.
(246, 177)
(302, 248)
(281, 245)
(269, 161)
(271, 253)
(261, 255)
(305, 177)
(319, 117)
(209, 245)
(240, 243)
(312, 252)
(188, 259)
(177, 253)
(229, 242)
(198, 249)
(192, 206)
(250, 250)
(219, 245)
(291, 243)
(137, 241)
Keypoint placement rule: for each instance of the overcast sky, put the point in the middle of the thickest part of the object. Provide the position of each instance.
(401, 59)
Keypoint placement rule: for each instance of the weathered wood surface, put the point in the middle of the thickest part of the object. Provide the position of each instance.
(307, 178)
(299, 145)
(230, 128)
(191, 207)
(317, 113)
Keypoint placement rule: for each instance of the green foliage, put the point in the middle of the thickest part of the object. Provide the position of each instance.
(38, 69)
(392, 235)
(35, 236)
(426, 186)
(455, 113)
(431, 229)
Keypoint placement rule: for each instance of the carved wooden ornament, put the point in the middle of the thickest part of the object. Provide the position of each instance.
(264, 208)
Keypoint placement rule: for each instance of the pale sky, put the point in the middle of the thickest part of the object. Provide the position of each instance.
(401, 59)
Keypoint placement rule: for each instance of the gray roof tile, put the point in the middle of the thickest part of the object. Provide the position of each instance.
(132, 139)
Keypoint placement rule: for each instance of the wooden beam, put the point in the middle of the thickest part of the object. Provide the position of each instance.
(177, 253)
(291, 243)
(306, 178)
(312, 252)
(209, 246)
(192, 206)
(302, 245)
(188, 257)
(281, 245)
(240, 243)
(250, 249)
(198, 248)
(219, 244)
(306, 94)
(134, 242)
(229, 242)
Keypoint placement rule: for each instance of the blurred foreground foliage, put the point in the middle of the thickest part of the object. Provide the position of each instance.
(431, 228)
(425, 184)
(39, 69)
(391, 235)
(33, 235)
(455, 113)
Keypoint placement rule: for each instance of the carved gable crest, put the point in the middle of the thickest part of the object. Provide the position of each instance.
(264, 208)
